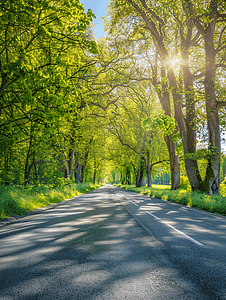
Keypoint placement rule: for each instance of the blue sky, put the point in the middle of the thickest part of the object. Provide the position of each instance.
(99, 9)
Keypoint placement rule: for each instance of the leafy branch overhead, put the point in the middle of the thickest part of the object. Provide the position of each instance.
(140, 101)
(160, 122)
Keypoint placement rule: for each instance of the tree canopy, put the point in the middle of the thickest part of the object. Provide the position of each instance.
(148, 98)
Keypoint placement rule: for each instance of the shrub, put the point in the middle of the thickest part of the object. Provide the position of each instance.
(17, 201)
(184, 183)
(215, 203)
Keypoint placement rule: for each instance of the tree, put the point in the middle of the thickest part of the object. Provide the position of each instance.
(156, 20)
(41, 45)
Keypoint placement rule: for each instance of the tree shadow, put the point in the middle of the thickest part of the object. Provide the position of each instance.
(205, 263)
(89, 248)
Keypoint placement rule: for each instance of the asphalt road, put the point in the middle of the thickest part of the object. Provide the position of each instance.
(114, 244)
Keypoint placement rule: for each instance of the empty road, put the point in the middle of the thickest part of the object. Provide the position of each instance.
(114, 244)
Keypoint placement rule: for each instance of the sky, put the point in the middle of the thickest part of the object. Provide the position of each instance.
(99, 9)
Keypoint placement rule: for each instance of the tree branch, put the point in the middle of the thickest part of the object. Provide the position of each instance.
(220, 104)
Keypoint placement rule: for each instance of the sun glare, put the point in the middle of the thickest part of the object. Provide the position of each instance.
(174, 62)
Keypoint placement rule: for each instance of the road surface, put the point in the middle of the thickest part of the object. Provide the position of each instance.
(114, 244)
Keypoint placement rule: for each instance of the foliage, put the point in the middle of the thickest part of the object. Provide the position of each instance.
(71, 108)
(184, 183)
(45, 51)
(160, 122)
(215, 203)
(20, 200)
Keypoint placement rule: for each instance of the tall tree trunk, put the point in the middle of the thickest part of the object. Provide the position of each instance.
(27, 173)
(211, 182)
(78, 176)
(70, 163)
(66, 170)
(174, 163)
(95, 172)
(149, 169)
(191, 165)
(94, 176)
(156, 31)
(113, 176)
(35, 173)
(27, 169)
(138, 178)
(127, 175)
(84, 165)
(189, 134)
(140, 172)
(164, 98)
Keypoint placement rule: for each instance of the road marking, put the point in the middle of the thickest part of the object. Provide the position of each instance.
(130, 201)
(152, 215)
(139, 221)
(182, 233)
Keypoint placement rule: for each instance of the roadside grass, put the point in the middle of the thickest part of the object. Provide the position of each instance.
(215, 203)
(15, 201)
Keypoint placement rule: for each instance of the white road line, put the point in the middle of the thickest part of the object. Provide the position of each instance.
(130, 201)
(152, 215)
(139, 221)
(182, 233)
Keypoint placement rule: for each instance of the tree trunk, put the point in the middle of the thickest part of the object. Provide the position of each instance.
(94, 176)
(113, 176)
(127, 175)
(78, 176)
(174, 159)
(138, 178)
(149, 169)
(84, 166)
(66, 170)
(95, 172)
(140, 173)
(211, 184)
(189, 134)
(70, 163)
(27, 169)
(27, 174)
(191, 166)
(174, 163)
(143, 182)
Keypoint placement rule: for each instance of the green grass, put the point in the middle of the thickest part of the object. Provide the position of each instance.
(215, 203)
(16, 201)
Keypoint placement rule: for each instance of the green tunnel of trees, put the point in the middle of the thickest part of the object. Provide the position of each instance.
(146, 103)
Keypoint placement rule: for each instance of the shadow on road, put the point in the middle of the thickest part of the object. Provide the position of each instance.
(88, 248)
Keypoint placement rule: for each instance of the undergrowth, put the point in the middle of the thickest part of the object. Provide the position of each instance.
(215, 203)
(19, 200)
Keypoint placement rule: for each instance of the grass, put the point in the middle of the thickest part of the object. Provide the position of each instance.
(215, 203)
(15, 201)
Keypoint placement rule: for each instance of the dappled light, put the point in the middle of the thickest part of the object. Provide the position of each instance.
(113, 150)
(101, 249)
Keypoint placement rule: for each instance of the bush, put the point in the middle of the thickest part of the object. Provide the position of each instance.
(184, 183)
(18, 201)
(215, 203)
(224, 182)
